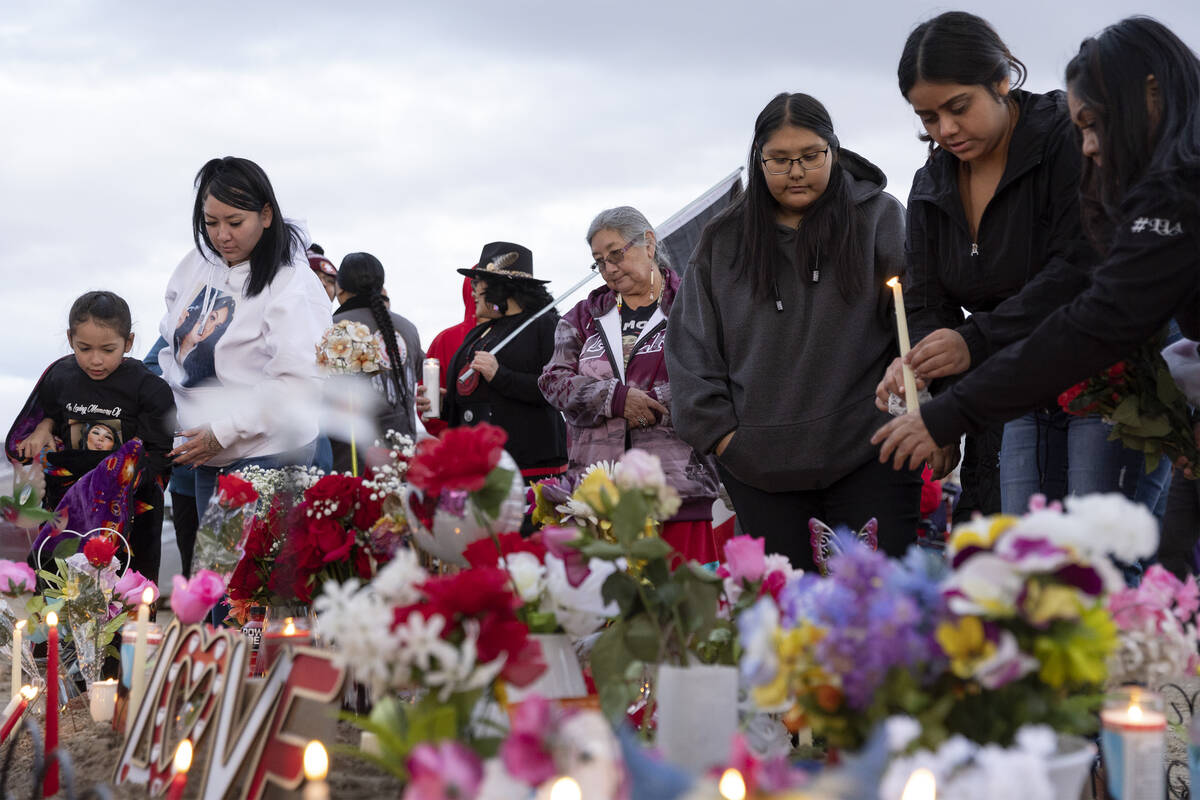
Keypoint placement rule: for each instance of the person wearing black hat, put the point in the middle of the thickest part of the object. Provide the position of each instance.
(503, 389)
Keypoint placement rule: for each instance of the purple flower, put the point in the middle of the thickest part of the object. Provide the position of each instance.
(557, 541)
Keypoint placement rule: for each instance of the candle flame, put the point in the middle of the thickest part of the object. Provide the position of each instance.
(894, 282)
(565, 788)
(148, 598)
(732, 785)
(316, 761)
(1135, 713)
(21, 624)
(922, 785)
(29, 692)
(289, 627)
(183, 756)
(52, 619)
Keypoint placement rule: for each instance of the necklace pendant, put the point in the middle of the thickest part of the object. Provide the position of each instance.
(974, 248)
(816, 275)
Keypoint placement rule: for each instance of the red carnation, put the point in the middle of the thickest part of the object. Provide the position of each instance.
(234, 491)
(1066, 398)
(333, 494)
(483, 553)
(472, 592)
(460, 459)
(99, 551)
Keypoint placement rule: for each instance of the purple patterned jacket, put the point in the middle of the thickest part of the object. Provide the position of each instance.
(587, 382)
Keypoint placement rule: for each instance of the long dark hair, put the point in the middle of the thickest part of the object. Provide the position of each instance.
(1109, 77)
(530, 296)
(240, 183)
(829, 232)
(957, 47)
(361, 274)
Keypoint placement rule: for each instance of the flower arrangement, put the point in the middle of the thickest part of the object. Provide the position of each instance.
(221, 537)
(1016, 632)
(583, 502)
(446, 637)
(348, 347)
(1156, 627)
(1139, 397)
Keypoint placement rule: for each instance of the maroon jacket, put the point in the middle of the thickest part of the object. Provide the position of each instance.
(585, 380)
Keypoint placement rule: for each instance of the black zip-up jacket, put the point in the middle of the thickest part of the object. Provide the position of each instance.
(1030, 253)
(1151, 273)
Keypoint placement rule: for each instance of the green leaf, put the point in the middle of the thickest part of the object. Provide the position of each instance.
(1127, 412)
(620, 588)
(495, 489)
(642, 639)
(629, 517)
(610, 661)
(598, 548)
(650, 548)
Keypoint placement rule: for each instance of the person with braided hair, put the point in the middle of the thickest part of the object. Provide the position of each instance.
(360, 297)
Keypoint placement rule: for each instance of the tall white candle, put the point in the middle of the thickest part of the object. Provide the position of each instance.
(431, 376)
(910, 380)
(18, 632)
(137, 684)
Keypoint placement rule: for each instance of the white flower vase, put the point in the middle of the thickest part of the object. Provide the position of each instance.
(1070, 767)
(456, 521)
(563, 677)
(696, 714)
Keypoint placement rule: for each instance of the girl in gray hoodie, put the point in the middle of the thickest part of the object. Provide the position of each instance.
(781, 330)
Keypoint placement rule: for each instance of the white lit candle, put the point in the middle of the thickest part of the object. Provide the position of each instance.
(910, 380)
(137, 684)
(316, 767)
(922, 785)
(565, 788)
(102, 699)
(1133, 735)
(431, 376)
(18, 634)
(732, 785)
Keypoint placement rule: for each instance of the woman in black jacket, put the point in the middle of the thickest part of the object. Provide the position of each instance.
(503, 388)
(1134, 93)
(993, 224)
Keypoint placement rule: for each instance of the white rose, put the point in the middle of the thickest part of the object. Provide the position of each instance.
(528, 575)
(638, 469)
(1117, 525)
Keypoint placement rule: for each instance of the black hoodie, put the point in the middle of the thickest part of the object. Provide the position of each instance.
(798, 385)
(1030, 253)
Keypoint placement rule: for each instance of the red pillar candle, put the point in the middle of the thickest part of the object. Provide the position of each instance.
(183, 762)
(50, 784)
(291, 632)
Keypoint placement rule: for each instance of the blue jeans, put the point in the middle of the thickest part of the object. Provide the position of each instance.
(206, 477)
(1056, 454)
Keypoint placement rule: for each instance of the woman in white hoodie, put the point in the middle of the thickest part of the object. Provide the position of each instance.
(244, 314)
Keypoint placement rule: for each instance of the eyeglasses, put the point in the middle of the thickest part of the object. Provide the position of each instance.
(615, 257)
(782, 166)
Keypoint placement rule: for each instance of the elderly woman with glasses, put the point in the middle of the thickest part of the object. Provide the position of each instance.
(609, 379)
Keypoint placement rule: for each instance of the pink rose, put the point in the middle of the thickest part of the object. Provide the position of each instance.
(745, 558)
(556, 541)
(16, 577)
(441, 770)
(192, 600)
(131, 586)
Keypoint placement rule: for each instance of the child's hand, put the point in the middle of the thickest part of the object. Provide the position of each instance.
(39, 440)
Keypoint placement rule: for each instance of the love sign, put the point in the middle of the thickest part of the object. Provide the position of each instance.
(253, 730)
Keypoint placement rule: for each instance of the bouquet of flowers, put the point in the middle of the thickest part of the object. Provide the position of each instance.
(448, 637)
(221, 537)
(350, 347)
(1156, 629)
(583, 502)
(1139, 397)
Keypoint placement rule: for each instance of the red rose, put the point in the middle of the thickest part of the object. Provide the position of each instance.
(367, 512)
(99, 551)
(460, 459)
(333, 495)
(362, 565)
(258, 541)
(234, 491)
(245, 580)
(498, 635)
(472, 592)
(483, 553)
(1117, 371)
(324, 540)
(1066, 398)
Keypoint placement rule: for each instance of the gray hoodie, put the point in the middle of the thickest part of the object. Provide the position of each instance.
(798, 385)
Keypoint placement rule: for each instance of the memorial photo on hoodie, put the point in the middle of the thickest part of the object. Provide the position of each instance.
(101, 435)
(200, 327)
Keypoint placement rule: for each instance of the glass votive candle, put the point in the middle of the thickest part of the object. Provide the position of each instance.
(1133, 738)
(281, 633)
(129, 639)
(102, 699)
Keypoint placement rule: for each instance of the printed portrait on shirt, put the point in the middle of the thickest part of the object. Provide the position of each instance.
(103, 435)
(200, 327)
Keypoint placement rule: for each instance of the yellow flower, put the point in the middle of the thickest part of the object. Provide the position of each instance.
(1046, 603)
(965, 644)
(598, 491)
(981, 532)
(1079, 656)
(773, 694)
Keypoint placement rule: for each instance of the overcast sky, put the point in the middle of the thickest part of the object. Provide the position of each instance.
(419, 132)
